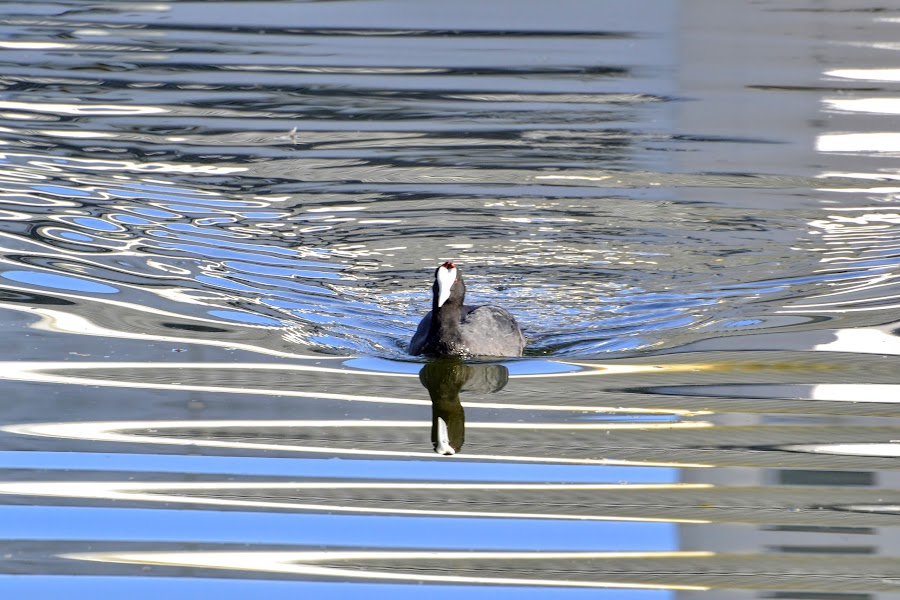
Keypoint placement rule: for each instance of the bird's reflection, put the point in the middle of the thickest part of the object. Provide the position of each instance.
(445, 379)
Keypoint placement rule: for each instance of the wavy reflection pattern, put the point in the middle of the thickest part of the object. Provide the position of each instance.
(616, 570)
(656, 441)
(303, 214)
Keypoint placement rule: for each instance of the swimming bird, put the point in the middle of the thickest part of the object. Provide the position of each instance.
(453, 329)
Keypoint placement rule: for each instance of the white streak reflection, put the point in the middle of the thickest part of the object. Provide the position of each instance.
(878, 509)
(79, 134)
(82, 109)
(866, 74)
(118, 431)
(888, 450)
(23, 45)
(856, 392)
(864, 340)
(205, 494)
(55, 372)
(63, 322)
(304, 563)
(859, 142)
(574, 177)
(882, 106)
(48, 163)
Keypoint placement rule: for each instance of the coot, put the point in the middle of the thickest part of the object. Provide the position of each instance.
(454, 329)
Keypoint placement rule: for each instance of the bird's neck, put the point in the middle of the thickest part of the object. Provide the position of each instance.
(447, 316)
(445, 323)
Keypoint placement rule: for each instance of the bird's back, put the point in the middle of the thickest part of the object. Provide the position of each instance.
(491, 331)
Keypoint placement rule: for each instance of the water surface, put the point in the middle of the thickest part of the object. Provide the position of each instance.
(219, 223)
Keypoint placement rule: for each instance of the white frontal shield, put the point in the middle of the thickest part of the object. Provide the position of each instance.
(445, 280)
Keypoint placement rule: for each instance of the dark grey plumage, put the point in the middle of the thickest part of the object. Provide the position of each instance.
(453, 329)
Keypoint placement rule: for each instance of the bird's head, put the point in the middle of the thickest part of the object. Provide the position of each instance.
(446, 277)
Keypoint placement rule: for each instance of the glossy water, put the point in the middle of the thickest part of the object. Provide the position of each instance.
(219, 223)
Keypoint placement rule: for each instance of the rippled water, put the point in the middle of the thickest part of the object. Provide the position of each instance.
(219, 223)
